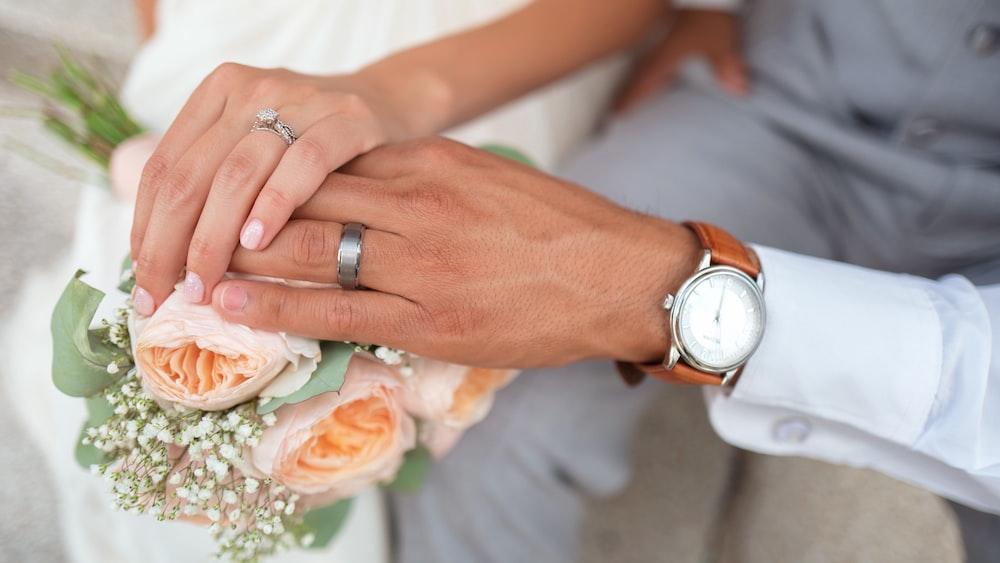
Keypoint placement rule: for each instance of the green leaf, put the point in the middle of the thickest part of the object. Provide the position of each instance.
(80, 356)
(412, 473)
(127, 283)
(329, 376)
(509, 152)
(98, 411)
(99, 125)
(324, 523)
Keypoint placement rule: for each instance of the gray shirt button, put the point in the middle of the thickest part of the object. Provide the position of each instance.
(792, 430)
(984, 39)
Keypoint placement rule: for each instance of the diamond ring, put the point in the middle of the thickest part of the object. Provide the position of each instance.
(267, 120)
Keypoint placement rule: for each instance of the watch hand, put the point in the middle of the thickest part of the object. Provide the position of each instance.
(718, 312)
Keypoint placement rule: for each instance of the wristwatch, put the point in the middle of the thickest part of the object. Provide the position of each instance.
(716, 318)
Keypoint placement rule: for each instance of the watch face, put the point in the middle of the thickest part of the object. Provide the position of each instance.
(719, 319)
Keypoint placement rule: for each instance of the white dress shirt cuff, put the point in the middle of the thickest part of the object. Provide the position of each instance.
(845, 344)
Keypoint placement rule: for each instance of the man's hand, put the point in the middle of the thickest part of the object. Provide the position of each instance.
(470, 258)
(711, 34)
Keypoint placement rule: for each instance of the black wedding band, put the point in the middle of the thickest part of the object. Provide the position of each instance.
(349, 255)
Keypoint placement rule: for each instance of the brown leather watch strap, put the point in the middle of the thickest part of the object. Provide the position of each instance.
(726, 250)
(633, 374)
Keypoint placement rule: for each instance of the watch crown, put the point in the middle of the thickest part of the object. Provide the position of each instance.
(668, 301)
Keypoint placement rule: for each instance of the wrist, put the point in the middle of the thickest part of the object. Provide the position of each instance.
(667, 255)
(415, 100)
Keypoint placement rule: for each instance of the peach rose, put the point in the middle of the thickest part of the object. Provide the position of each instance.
(187, 354)
(450, 398)
(336, 444)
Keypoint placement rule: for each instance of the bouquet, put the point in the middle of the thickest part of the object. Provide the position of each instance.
(262, 437)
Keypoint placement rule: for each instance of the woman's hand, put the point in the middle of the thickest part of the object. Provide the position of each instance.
(470, 258)
(212, 183)
(712, 34)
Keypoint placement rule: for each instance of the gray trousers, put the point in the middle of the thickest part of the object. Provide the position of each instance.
(831, 156)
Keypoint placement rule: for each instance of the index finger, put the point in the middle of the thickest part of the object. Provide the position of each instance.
(327, 314)
(202, 110)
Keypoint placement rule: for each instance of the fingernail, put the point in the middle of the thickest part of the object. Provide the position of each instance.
(252, 233)
(142, 301)
(192, 288)
(234, 298)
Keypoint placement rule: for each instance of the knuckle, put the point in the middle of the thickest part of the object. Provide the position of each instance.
(267, 87)
(225, 73)
(275, 305)
(451, 323)
(236, 170)
(310, 153)
(178, 189)
(311, 246)
(440, 151)
(147, 269)
(353, 105)
(276, 200)
(429, 202)
(156, 167)
(341, 317)
(201, 251)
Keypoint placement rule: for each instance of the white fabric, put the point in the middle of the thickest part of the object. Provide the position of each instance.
(310, 36)
(872, 369)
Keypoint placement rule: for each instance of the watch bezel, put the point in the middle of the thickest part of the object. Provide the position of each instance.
(678, 350)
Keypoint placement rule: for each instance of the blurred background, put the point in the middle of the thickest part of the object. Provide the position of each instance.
(693, 498)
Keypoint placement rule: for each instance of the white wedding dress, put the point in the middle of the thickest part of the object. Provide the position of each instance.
(313, 36)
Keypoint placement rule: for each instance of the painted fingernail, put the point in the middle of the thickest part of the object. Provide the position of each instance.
(252, 234)
(234, 298)
(192, 288)
(142, 301)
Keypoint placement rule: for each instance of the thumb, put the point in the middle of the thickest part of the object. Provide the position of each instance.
(731, 72)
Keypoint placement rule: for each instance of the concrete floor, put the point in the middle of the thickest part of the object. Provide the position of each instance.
(693, 498)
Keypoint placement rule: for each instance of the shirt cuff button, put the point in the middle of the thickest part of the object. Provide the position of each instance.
(792, 430)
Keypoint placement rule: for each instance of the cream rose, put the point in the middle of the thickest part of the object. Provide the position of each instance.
(449, 398)
(336, 444)
(187, 354)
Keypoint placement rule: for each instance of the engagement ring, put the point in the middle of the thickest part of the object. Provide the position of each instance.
(267, 120)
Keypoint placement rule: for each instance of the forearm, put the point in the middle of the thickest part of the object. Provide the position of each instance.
(461, 76)
(145, 16)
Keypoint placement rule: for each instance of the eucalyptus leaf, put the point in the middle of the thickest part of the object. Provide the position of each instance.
(80, 356)
(329, 376)
(87, 455)
(412, 473)
(509, 153)
(324, 523)
(98, 411)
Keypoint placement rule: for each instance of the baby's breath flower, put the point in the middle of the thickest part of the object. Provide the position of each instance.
(112, 368)
(227, 451)
(173, 461)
